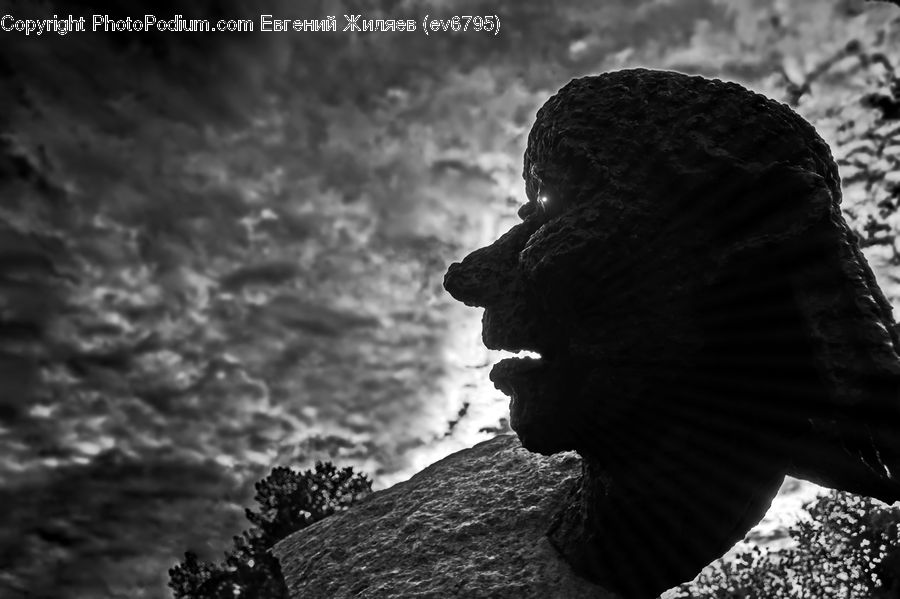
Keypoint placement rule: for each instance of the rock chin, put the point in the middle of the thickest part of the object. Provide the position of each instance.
(471, 525)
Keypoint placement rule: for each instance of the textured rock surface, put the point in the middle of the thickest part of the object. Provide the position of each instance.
(705, 319)
(472, 525)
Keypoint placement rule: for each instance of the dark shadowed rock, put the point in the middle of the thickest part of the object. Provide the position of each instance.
(472, 525)
(705, 319)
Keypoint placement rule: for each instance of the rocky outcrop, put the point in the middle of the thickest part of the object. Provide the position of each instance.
(706, 324)
(705, 320)
(472, 525)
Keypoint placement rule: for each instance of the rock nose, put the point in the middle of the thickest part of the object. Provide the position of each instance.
(486, 276)
(465, 283)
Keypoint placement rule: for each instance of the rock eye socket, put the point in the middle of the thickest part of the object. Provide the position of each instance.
(542, 201)
(543, 205)
(547, 204)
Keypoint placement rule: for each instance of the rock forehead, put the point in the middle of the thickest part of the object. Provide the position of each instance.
(632, 127)
(472, 525)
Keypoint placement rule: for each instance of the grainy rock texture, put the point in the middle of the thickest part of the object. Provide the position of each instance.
(472, 525)
(705, 319)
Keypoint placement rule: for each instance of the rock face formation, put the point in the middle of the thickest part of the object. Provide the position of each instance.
(706, 324)
(705, 319)
(471, 526)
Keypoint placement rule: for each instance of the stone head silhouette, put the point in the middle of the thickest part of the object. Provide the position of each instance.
(705, 320)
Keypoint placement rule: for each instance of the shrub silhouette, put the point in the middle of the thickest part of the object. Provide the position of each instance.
(847, 549)
(287, 501)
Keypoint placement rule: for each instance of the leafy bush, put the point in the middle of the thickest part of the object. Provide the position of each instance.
(848, 549)
(287, 501)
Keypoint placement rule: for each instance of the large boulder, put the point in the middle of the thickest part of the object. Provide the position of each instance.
(703, 318)
(471, 525)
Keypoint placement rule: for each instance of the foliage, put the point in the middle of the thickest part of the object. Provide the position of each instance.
(287, 501)
(837, 553)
